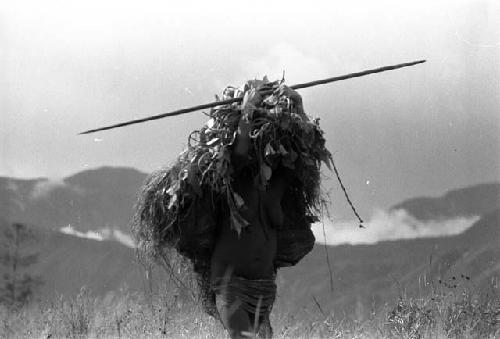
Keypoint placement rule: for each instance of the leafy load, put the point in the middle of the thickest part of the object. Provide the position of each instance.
(178, 206)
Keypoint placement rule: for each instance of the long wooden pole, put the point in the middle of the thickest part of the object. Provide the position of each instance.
(231, 101)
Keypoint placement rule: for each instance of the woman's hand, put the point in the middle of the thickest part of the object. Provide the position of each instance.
(295, 99)
(284, 90)
(251, 101)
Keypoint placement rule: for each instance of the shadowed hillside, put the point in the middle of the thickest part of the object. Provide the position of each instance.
(471, 201)
(66, 263)
(363, 275)
(369, 275)
(89, 200)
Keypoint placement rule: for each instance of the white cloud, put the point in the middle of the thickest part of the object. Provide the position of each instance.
(105, 233)
(388, 226)
(123, 238)
(94, 235)
(381, 227)
(44, 187)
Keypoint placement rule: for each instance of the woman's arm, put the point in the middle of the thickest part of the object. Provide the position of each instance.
(242, 141)
(241, 146)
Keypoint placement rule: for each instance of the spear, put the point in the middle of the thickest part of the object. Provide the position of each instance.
(233, 100)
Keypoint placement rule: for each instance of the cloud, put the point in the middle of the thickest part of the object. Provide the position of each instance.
(382, 226)
(93, 235)
(123, 238)
(101, 235)
(44, 187)
(389, 226)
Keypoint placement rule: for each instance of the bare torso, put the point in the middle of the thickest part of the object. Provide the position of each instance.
(251, 254)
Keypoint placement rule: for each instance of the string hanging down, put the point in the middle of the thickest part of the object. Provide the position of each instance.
(235, 100)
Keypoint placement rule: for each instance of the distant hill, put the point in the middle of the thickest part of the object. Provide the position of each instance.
(370, 275)
(104, 197)
(89, 200)
(363, 275)
(485, 230)
(66, 263)
(465, 202)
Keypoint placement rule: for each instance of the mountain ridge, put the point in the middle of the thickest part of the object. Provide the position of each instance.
(362, 274)
(89, 200)
(469, 201)
(374, 273)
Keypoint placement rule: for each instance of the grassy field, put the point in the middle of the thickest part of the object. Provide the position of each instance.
(448, 313)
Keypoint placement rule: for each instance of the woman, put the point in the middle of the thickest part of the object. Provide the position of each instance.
(221, 205)
(243, 267)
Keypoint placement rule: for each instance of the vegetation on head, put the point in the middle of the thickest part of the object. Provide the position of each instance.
(282, 137)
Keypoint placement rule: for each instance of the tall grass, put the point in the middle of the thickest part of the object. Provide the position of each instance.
(445, 313)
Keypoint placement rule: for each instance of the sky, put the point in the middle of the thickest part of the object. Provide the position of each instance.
(69, 66)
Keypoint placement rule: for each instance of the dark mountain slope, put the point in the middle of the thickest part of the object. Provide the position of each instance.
(89, 200)
(74, 262)
(66, 263)
(470, 201)
(485, 230)
(363, 275)
(371, 275)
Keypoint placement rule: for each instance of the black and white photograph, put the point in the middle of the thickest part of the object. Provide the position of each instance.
(259, 169)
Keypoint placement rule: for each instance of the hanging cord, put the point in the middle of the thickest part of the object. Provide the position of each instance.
(323, 223)
(327, 258)
(346, 195)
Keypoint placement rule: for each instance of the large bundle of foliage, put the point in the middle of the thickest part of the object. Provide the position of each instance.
(179, 206)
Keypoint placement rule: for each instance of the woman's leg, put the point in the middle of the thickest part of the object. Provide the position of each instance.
(265, 330)
(234, 318)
